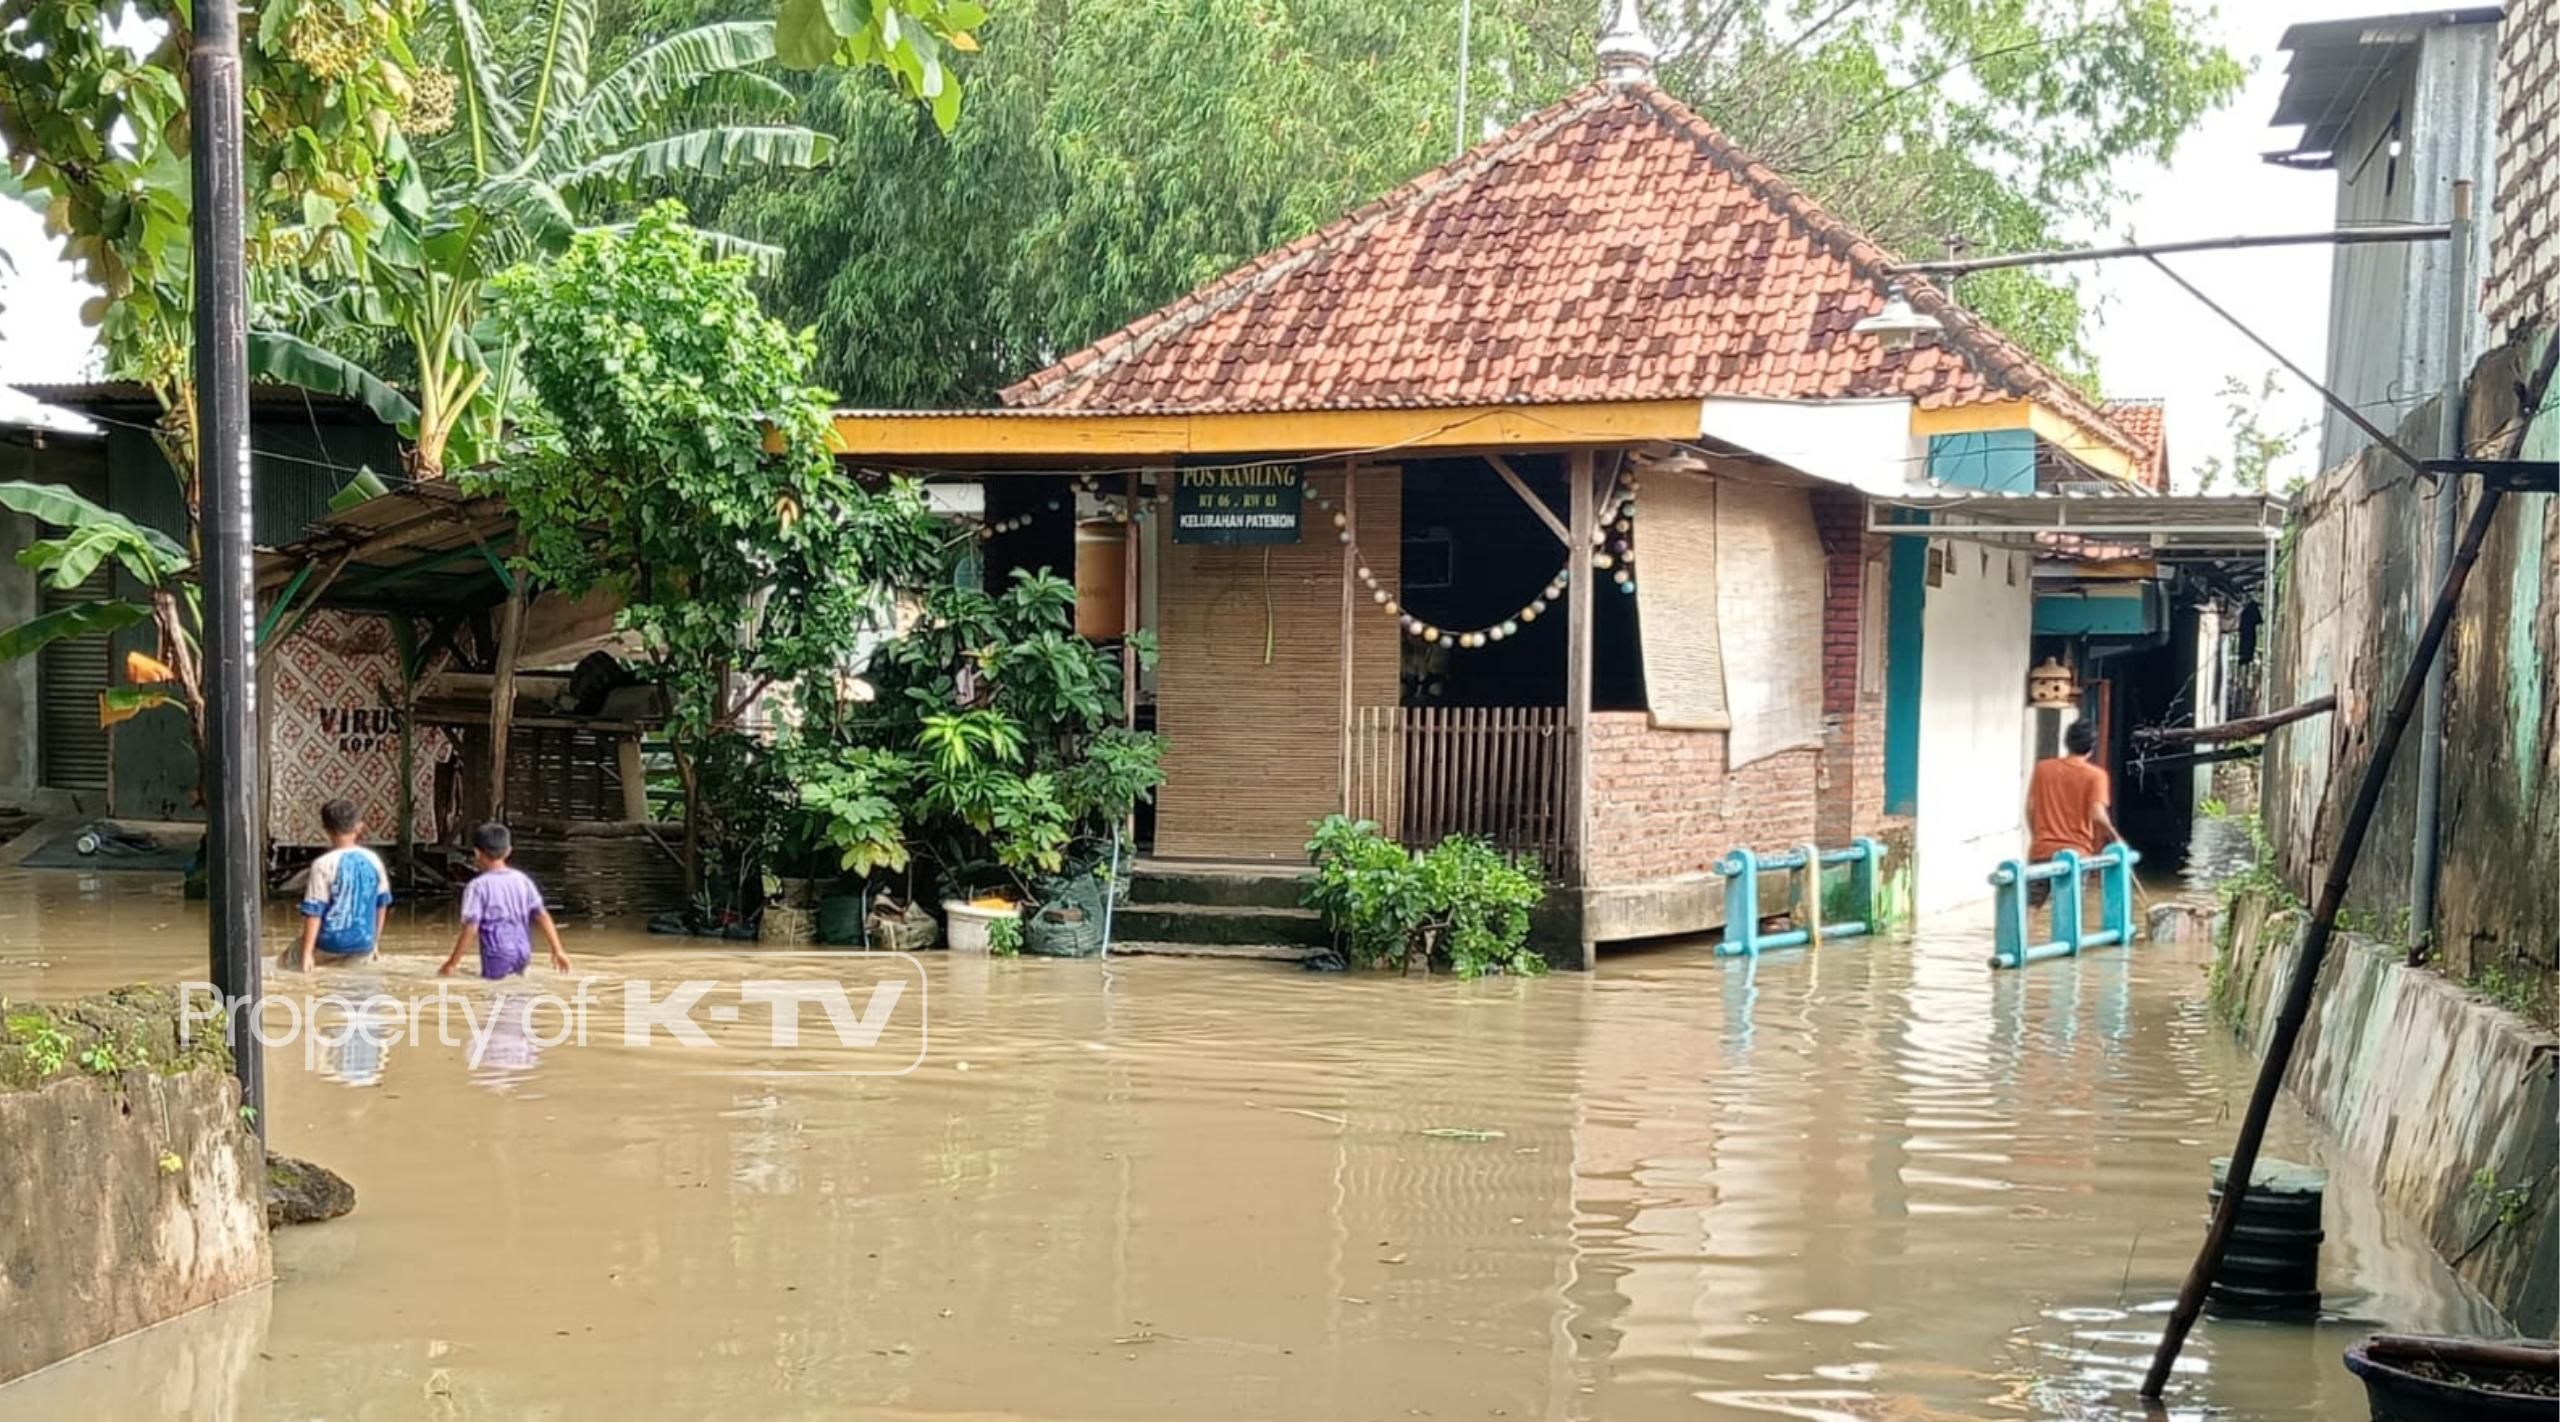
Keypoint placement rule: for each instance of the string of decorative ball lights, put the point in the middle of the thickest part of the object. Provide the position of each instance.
(1612, 544)
(1612, 552)
(1115, 509)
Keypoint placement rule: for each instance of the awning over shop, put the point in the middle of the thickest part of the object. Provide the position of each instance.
(2164, 528)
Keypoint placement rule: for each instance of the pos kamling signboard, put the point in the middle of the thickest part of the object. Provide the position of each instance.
(1256, 503)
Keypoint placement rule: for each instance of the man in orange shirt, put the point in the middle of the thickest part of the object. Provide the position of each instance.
(2067, 801)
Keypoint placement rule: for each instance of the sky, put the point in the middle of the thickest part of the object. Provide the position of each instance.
(2151, 339)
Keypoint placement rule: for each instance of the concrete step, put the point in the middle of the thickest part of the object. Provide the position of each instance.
(1218, 885)
(1220, 924)
(1261, 952)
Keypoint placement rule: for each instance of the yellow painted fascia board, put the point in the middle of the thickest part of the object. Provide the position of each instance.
(1974, 418)
(1308, 432)
(2046, 423)
(2063, 433)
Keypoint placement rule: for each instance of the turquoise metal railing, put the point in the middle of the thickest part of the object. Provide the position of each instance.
(2010, 946)
(1803, 865)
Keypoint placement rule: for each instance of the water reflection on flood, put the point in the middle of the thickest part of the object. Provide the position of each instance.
(1879, 1182)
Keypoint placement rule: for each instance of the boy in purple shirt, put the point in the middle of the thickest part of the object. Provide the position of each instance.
(500, 907)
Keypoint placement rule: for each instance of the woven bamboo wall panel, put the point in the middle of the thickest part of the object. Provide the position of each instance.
(1684, 676)
(1254, 744)
(1771, 574)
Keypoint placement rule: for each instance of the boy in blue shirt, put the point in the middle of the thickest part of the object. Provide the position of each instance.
(348, 898)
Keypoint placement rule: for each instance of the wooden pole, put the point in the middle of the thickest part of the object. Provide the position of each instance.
(1350, 618)
(1584, 514)
(2240, 730)
(502, 692)
(1129, 565)
(635, 779)
(404, 645)
(2315, 944)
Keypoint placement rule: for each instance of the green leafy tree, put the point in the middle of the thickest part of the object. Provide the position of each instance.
(682, 466)
(2258, 443)
(911, 40)
(93, 100)
(1972, 124)
(937, 268)
(536, 147)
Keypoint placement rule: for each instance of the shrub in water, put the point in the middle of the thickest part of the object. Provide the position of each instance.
(1459, 904)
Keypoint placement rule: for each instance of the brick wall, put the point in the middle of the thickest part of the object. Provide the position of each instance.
(2524, 252)
(1664, 804)
(1851, 777)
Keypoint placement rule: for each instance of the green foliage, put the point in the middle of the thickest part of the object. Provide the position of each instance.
(911, 40)
(853, 797)
(1459, 902)
(2391, 928)
(39, 1042)
(1004, 937)
(685, 469)
(93, 100)
(2213, 809)
(2520, 991)
(1063, 209)
(992, 746)
(83, 619)
(91, 536)
(2256, 449)
(171, 1162)
(100, 1059)
(2506, 1202)
(537, 147)
(2261, 877)
(93, 95)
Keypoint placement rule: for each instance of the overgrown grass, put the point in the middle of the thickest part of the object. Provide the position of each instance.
(2520, 989)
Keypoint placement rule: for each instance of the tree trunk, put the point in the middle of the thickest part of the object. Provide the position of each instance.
(692, 823)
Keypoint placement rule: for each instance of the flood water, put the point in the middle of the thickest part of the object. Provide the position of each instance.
(1877, 1182)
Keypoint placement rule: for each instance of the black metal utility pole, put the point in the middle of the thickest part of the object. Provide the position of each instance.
(232, 783)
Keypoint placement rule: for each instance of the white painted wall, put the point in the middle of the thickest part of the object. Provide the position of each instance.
(1976, 741)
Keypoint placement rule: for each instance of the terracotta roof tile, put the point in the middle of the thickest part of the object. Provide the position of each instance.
(1611, 247)
(2147, 421)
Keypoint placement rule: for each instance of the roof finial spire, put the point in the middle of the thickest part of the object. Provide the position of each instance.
(1626, 51)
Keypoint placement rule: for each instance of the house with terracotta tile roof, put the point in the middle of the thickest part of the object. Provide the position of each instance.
(1548, 498)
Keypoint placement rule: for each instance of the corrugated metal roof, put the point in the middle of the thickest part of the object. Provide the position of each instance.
(427, 546)
(2336, 63)
(2157, 524)
(88, 395)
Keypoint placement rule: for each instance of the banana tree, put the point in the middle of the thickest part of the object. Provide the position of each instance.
(532, 153)
(90, 537)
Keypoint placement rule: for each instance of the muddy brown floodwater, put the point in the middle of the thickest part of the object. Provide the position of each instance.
(1877, 1182)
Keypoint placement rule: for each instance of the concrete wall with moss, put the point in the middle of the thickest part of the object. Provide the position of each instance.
(2353, 592)
(131, 1190)
(2446, 1098)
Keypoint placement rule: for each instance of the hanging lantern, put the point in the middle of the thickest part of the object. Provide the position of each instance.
(2051, 684)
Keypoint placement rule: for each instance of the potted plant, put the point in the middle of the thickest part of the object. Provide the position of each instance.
(989, 753)
(2418, 1379)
